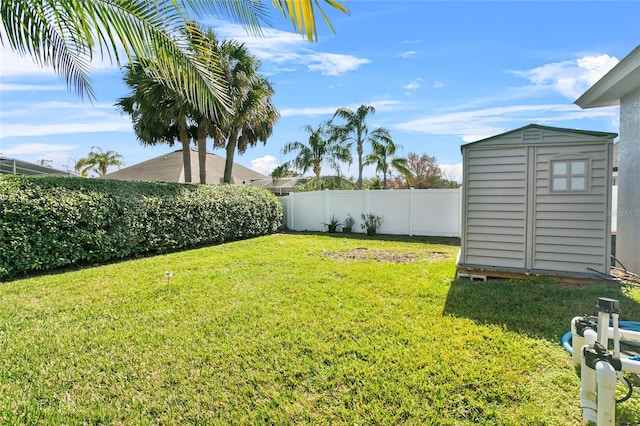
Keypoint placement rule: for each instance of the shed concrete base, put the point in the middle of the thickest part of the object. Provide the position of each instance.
(474, 273)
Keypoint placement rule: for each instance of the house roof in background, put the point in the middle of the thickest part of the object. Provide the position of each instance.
(282, 186)
(169, 168)
(12, 166)
(614, 85)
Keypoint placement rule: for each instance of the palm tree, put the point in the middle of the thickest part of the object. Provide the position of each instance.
(383, 155)
(355, 130)
(204, 126)
(162, 115)
(320, 148)
(159, 115)
(66, 34)
(252, 114)
(99, 161)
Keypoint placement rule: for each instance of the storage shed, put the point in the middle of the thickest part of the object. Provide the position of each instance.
(536, 201)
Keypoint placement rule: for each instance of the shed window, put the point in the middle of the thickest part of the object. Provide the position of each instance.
(569, 175)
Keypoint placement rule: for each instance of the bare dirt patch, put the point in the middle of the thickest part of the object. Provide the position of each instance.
(362, 253)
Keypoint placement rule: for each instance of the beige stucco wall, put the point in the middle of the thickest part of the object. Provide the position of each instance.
(628, 220)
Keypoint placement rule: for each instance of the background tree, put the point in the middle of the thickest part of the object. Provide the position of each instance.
(382, 155)
(159, 114)
(320, 148)
(355, 130)
(98, 162)
(204, 126)
(422, 172)
(252, 115)
(163, 115)
(282, 171)
(66, 34)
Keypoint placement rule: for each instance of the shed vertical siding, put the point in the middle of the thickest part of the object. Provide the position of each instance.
(571, 229)
(495, 207)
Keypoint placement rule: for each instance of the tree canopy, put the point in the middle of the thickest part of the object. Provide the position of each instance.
(67, 35)
(320, 148)
(355, 130)
(98, 161)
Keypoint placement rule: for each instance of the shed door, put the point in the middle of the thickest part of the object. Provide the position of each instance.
(496, 214)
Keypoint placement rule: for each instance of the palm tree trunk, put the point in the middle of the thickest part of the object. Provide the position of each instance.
(316, 170)
(202, 153)
(360, 165)
(186, 150)
(232, 142)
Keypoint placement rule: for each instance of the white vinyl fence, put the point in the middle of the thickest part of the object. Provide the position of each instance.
(427, 212)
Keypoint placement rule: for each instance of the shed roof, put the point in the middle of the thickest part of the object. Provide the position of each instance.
(614, 85)
(577, 132)
(169, 168)
(11, 166)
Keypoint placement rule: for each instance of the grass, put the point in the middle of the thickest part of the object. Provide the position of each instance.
(292, 329)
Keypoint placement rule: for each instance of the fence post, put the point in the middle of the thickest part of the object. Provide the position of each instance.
(367, 203)
(290, 216)
(327, 206)
(412, 218)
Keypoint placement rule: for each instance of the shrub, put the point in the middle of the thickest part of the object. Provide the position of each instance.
(50, 222)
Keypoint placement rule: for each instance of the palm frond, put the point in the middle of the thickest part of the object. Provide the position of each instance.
(301, 13)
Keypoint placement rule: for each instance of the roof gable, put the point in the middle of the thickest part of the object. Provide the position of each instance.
(169, 168)
(534, 134)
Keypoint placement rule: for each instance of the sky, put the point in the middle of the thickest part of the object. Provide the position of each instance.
(438, 73)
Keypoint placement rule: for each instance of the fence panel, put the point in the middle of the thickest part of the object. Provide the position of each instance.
(426, 212)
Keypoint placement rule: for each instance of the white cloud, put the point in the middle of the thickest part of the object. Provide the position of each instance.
(308, 111)
(452, 171)
(15, 65)
(413, 85)
(408, 53)
(56, 110)
(282, 47)
(37, 148)
(9, 87)
(264, 165)
(57, 118)
(570, 78)
(438, 84)
(334, 64)
(478, 124)
(13, 130)
(383, 105)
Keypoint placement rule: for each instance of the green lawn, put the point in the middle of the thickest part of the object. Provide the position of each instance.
(292, 329)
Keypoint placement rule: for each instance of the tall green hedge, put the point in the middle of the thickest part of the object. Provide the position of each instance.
(50, 222)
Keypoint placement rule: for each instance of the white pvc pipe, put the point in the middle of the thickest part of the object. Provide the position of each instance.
(603, 318)
(590, 337)
(606, 378)
(629, 366)
(626, 335)
(588, 400)
(616, 335)
(577, 342)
